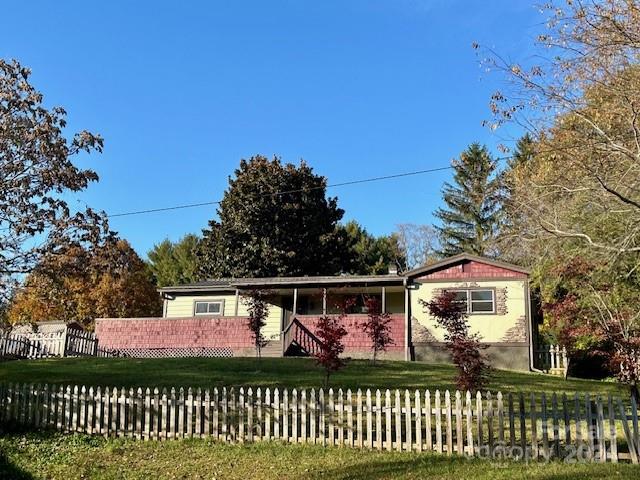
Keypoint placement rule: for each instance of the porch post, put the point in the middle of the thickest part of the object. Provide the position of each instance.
(235, 312)
(407, 322)
(295, 301)
(324, 301)
(384, 299)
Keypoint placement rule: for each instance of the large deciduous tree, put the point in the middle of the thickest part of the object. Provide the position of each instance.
(175, 263)
(574, 204)
(470, 220)
(36, 176)
(274, 219)
(580, 107)
(109, 280)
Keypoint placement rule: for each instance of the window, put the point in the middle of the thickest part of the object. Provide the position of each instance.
(209, 307)
(476, 301)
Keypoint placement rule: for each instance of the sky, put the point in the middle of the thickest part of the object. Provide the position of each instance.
(181, 91)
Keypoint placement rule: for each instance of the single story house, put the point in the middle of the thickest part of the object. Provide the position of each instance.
(210, 318)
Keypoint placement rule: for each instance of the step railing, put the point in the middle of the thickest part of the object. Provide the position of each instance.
(296, 333)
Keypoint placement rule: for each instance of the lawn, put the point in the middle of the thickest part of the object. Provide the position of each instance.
(274, 372)
(55, 456)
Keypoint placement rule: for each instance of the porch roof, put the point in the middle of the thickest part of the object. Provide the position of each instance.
(279, 282)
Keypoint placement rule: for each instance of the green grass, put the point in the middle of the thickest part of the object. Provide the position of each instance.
(274, 372)
(55, 456)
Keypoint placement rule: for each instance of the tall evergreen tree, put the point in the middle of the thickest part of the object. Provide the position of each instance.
(471, 218)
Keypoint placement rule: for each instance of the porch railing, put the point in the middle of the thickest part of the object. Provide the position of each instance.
(552, 359)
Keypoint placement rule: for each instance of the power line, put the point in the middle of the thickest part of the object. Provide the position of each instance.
(333, 185)
(286, 192)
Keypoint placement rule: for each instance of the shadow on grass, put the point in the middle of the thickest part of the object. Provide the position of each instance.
(10, 471)
(432, 466)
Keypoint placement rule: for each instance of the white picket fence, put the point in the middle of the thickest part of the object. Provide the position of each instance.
(552, 359)
(69, 343)
(515, 425)
(33, 345)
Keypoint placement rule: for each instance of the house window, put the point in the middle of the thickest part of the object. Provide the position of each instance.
(476, 301)
(209, 307)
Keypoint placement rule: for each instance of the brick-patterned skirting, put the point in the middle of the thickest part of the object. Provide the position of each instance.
(151, 336)
(356, 339)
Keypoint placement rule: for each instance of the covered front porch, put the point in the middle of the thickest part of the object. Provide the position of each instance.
(303, 304)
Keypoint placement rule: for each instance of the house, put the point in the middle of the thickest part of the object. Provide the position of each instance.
(209, 318)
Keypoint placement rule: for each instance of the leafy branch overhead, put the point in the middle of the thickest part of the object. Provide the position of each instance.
(36, 175)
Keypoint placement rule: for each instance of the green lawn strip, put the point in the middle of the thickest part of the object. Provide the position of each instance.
(56, 456)
(275, 372)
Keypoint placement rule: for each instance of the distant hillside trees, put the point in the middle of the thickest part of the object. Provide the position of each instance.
(371, 255)
(174, 263)
(418, 244)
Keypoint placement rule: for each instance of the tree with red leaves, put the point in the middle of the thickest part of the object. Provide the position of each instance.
(258, 309)
(330, 332)
(377, 326)
(465, 348)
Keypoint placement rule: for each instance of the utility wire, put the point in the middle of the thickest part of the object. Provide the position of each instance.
(276, 194)
(319, 187)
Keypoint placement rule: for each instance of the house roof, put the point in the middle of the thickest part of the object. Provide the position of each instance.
(463, 257)
(245, 283)
(227, 284)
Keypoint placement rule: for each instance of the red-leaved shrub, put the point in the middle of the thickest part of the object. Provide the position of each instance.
(465, 348)
(377, 326)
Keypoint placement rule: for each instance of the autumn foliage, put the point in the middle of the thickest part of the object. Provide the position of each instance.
(465, 348)
(330, 332)
(83, 284)
(377, 326)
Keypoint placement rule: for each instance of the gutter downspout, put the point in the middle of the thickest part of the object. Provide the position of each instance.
(530, 328)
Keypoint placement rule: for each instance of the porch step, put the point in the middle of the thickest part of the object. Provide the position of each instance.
(272, 349)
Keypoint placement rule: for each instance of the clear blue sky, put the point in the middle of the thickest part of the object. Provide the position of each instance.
(182, 90)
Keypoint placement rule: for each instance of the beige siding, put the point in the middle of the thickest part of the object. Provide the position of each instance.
(183, 306)
(492, 327)
(395, 302)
